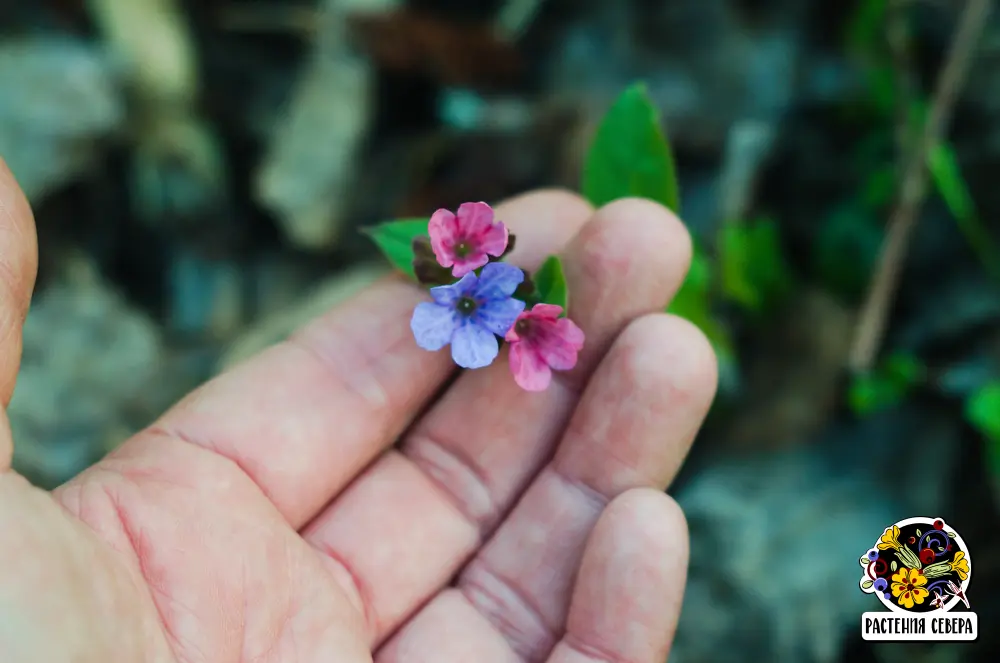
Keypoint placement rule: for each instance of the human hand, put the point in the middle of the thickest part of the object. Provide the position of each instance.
(268, 516)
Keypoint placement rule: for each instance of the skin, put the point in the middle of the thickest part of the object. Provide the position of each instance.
(269, 516)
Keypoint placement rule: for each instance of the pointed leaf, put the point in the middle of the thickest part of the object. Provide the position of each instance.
(395, 240)
(550, 284)
(629, 155)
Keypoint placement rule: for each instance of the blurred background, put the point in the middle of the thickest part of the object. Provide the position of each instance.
(199, 170)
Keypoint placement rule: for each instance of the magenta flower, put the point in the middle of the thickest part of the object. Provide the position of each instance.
(470, 315)
(541, 341)
(466, 240)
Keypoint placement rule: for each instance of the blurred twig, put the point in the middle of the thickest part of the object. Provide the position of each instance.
(871, 325)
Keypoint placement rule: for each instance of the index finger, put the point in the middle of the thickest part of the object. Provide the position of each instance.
(305, 416)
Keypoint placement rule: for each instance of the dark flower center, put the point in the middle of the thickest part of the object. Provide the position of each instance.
(466, 305)
(462, 249)
(522, 327)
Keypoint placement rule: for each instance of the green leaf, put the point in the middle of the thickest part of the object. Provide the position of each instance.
(630, 155)
(893, 565)
(754, 272)
(550, 284)
(395, 240)
(887, 385)
(948, 180)
(982, 410)
(867, 584)
(693, 302)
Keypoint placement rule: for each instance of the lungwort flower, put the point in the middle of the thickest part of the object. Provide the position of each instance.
(541, 341)
(465, 241)
(908, 587)
(470, 315)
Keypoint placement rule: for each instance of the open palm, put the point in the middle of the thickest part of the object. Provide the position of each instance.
(271, 516)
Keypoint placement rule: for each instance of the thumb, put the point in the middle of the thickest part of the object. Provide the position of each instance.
(18, 265)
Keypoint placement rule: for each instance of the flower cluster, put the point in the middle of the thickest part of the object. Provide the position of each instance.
(490, 299)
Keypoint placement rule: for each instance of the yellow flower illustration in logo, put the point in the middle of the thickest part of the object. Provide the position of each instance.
(908, 587)
(960, 565)
(890, 539)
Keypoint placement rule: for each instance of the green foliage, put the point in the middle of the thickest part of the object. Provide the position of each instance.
(630, 155)
(866, 27)
(949, 182)
(888, 385)
(951, 186)
(693, 302)
(550, 284)
(754, 272)
(865, 42)
(982, 410)
(846, 249)
(395, 239)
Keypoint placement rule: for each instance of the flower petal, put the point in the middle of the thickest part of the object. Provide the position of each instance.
(474, 219)
(433, 325)
(473, 346)
(552, 311)
(499, 280)
(470, 262)
(571, 333)
(443, 231)
(447, 295)
(494, 240)
(530, 372)
(499, 315)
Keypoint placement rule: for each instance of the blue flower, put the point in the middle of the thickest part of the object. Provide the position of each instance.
(470, 315)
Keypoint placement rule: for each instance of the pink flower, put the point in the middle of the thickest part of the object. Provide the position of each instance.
(467, 239)
(541, 341)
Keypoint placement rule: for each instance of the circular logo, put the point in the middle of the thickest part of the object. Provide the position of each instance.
(918, 565)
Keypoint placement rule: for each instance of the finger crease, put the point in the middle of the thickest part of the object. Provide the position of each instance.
(356, 374)
(593, 653)
(357, 592)
(207, 446)
(510, 611)
(462, 481)
(594, 496)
